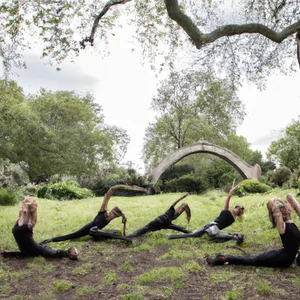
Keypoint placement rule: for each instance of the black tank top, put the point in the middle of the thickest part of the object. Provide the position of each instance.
(291, 238)
(224, 219)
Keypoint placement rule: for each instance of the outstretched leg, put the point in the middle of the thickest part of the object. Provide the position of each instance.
(75, 235)
(197, 233)
(139, 232)
(100, 235)
(178, 228)
(218, 236)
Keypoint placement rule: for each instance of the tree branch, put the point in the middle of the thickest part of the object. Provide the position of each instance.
(200, 39)
(107, 6)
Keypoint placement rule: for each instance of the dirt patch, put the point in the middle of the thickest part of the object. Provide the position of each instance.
(113, 270)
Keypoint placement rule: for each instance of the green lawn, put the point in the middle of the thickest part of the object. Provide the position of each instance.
(153, 267)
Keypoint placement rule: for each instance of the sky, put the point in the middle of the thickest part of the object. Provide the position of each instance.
(124, 88)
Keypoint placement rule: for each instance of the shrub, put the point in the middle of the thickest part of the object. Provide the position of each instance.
(280, 176)
(252, 186)
(7, 197)
(186, 183)
(64, 190)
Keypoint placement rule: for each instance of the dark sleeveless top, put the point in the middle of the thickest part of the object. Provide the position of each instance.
(24, 237)
(291, 239)
(224, 219)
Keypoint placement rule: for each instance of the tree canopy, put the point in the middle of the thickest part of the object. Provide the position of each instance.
(286, 150)
(245, 39)
(56, 132)
(191, 107)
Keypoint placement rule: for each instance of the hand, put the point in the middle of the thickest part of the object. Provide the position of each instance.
(46, 242)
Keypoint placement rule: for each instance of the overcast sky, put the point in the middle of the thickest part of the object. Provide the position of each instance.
(124, 88)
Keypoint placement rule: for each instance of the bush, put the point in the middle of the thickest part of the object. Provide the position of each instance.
(251, 186)
(7, 197)
(280, 176)
(64, 190)
(187, 183)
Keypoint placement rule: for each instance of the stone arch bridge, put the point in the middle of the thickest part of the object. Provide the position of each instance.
(245, 170)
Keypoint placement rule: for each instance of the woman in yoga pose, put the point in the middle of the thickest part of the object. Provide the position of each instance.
(225, 219)
(280, 216)
(164, 221)
(101, 220)
(23, 233)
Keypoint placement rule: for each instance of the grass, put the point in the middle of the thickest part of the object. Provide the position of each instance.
(153, 267)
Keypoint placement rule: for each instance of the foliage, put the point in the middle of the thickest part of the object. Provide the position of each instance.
(250, 186)
(242, 38)
(286, 150)
(176, 171)
(100, 183)
(12, 175)
(64, 190)
(186, 183)
(56, 132)
(7, 197)
(280, 176)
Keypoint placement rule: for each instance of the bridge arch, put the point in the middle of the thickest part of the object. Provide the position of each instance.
(245, 170)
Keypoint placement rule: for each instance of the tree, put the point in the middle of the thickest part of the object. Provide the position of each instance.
(57, 132)
(249, 38)
(286, 150)
(191, 107)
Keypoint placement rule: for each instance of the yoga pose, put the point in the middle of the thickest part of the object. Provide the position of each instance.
(165, 221)
(23, 233)
(225, 219)
(280, 216)
(101, 220)
(296, 206)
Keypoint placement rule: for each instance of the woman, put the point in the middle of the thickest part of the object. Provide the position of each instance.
(101, 220)
(164, 221)
(280, 216)
(23, 233)
(225, 219)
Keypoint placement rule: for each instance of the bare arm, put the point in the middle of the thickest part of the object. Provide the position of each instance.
(226, 204)
(116, 187)
(278, 217)
(179, 199)
(294, 203)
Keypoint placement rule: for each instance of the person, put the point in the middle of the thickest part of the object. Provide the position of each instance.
(225, 219)
(164, 221)
(296, 206)
(101, 220)
(280, 216)
(23, 234)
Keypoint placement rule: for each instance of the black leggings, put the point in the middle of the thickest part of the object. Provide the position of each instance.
(161, 222)
(92, 229)
(100, 222)
(29, 247)
(211, 229)
(278, 258)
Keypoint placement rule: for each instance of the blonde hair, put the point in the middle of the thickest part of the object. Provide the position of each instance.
(285, 210)
(30, 203)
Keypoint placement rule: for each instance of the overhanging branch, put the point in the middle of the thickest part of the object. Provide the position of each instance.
(107, 6)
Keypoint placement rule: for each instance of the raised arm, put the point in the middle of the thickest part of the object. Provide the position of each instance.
(180, 198)
(294, 203)
(226, 204)
(276, 215)
(116, 187)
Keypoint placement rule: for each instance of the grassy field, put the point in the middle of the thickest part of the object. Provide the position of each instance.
(152, 267)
